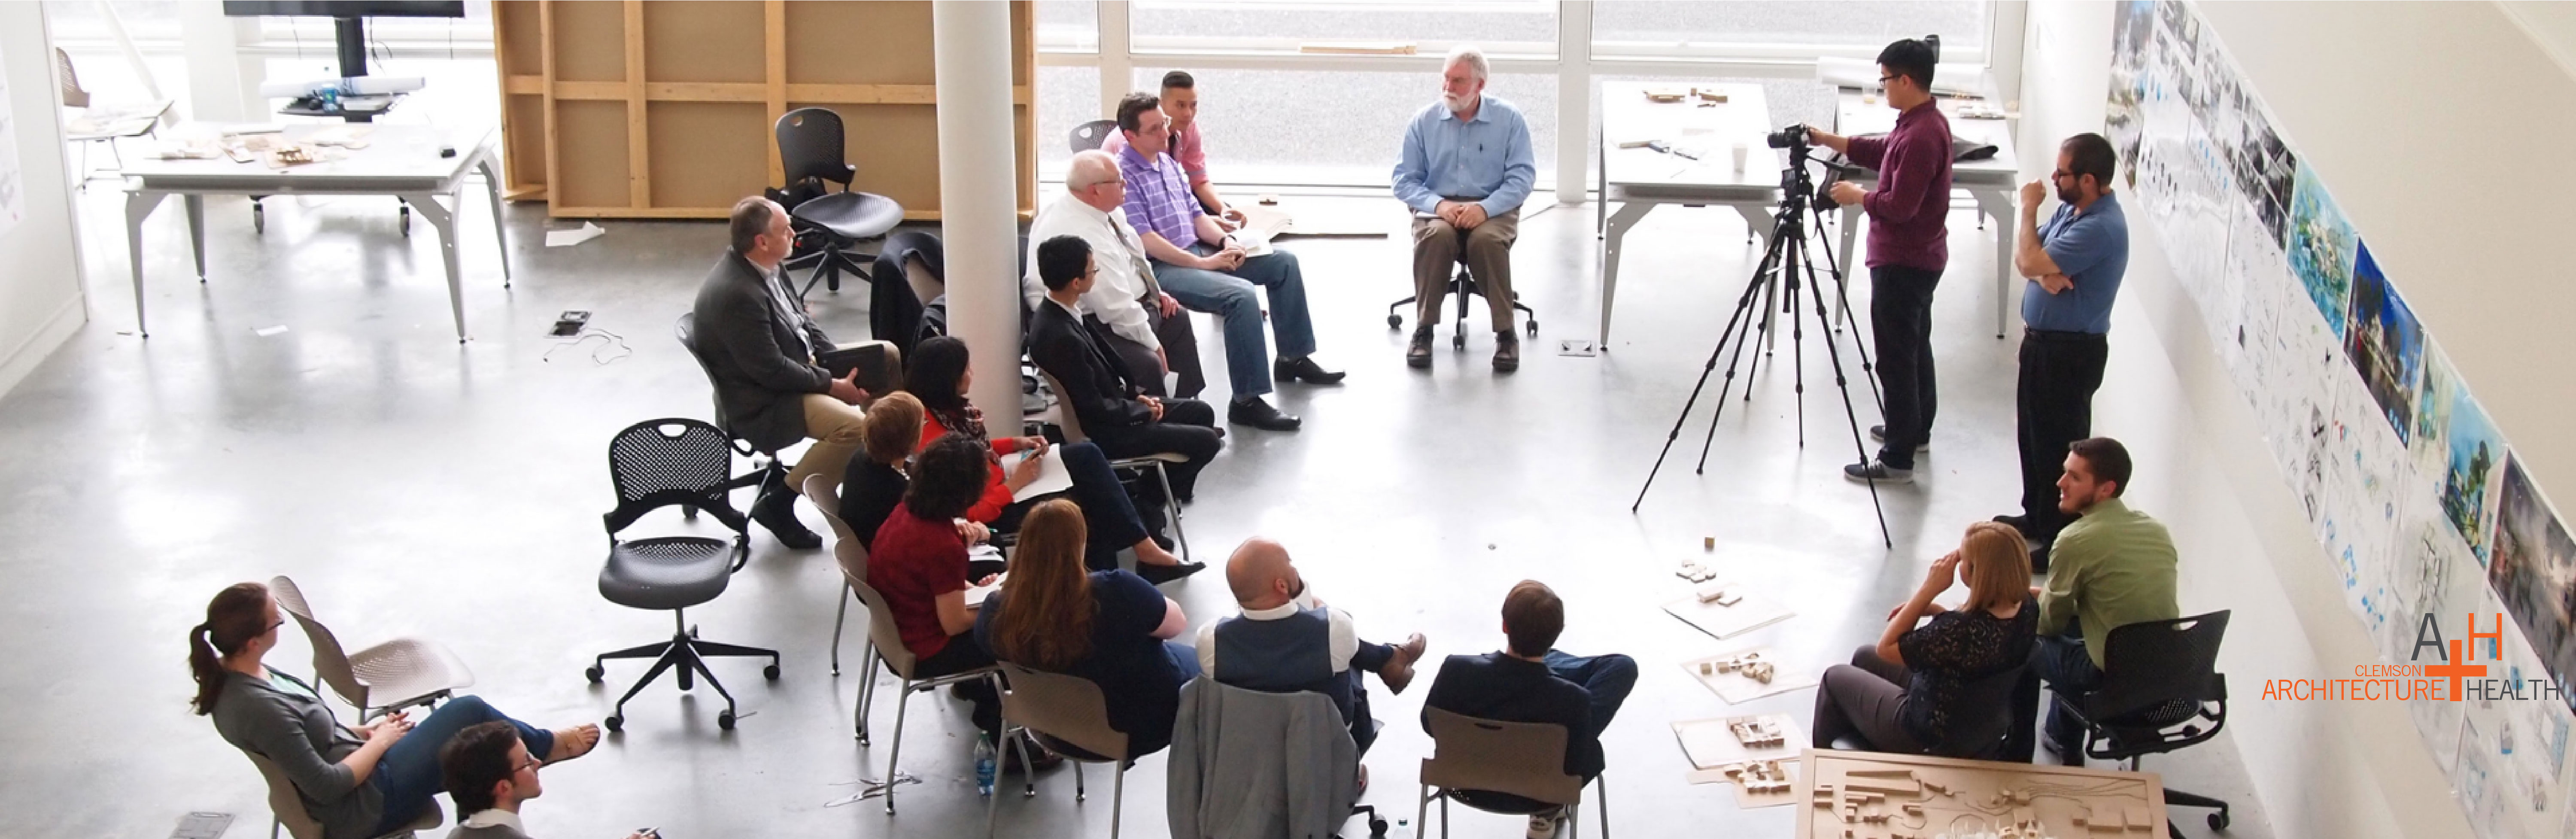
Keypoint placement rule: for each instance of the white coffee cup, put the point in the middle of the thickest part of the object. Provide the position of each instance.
(1740, 152)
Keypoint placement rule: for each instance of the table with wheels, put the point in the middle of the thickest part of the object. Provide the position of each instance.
(1989, 182)
(1698, 170)
(402, 161)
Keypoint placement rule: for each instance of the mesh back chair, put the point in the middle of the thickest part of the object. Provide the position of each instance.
(1070, 716)
(1524, 760)
(1461, 285)
(286, 807)
(664, 463)
(2160, 684)
(1066, 419)
(829, 225)
(396, 674)
(768, 471)
(1090, 135)
(898, 659)
(1987, 734)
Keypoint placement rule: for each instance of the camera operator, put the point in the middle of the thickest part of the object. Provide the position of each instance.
(1908, 246)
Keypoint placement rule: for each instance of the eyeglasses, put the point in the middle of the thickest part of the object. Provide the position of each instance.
(273, 627)
(1883, 80)
(2061, 173)
(531, 765)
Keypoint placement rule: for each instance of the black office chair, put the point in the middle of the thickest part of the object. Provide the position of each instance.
(2160, 683)
(828, 225)
(1461, 285)
(656, 464)
(1090, 135)
(768, 470)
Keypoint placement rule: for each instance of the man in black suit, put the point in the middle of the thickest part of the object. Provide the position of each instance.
(1530, 681)
(1114, 411)
(760, 349)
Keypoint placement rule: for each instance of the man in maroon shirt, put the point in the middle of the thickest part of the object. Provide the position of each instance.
(1908, 246)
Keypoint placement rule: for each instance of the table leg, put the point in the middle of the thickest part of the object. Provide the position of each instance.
(492, 188)
(197, 231)
(443, 217)
(1997, 207)
(1615, 232)
(138, 206)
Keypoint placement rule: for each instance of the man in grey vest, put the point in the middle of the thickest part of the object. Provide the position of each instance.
(490, 773)
(1288, 641)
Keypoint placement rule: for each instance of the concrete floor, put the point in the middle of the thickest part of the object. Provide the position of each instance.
(413, 486)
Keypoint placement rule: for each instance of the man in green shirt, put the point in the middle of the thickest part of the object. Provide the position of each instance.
(2112, 567)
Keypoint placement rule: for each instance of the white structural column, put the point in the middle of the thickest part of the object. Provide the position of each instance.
(1573, 100)
(1117, 66)
(979, 198)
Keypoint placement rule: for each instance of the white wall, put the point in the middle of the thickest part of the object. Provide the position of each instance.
(2411, 113)
(40, 290)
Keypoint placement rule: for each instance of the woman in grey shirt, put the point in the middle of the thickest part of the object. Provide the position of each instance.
(358, 783)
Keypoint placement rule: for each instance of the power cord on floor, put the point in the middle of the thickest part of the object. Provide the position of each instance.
(611, 348)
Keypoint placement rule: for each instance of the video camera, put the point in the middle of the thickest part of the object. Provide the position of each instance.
(1794, 138)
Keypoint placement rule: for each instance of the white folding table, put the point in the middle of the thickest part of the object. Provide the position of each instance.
(1641, 179)
(1989, 182)
(399, 160)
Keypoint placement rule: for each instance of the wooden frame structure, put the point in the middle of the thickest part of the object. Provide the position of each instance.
(665, 109)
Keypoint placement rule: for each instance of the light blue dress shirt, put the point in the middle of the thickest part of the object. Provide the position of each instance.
(1487, 158)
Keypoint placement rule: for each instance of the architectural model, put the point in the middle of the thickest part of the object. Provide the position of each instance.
(1861, 795)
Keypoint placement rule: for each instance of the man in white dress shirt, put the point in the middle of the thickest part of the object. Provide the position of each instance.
(1147, 327)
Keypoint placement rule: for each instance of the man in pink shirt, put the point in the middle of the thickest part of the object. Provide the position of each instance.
(1181, 104)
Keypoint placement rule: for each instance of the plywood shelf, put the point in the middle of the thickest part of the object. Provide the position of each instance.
(665, 109)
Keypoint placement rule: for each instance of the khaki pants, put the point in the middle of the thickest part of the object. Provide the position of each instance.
(1436, 245)
(834, 425)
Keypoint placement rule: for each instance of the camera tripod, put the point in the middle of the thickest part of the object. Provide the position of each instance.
(1775, 286)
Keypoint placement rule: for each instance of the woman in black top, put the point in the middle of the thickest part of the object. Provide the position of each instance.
(1910, 692)
(1110, 627)
(876, 479)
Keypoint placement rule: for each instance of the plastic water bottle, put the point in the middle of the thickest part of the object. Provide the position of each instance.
(985, 769)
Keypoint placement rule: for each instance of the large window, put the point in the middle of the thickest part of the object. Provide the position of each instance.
(1784, 30)
(1500, 27)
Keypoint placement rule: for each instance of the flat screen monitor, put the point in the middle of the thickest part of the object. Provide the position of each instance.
(344, 8)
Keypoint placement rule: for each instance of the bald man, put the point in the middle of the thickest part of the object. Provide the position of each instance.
(1288, 641)
(1146, 327)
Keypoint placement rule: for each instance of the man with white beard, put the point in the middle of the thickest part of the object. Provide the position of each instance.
(1467, 166)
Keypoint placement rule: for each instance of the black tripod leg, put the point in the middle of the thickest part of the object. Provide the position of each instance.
(1851, 415)
(1734, 323)
(1764, 291)
(1842, 297)
(1752, 315)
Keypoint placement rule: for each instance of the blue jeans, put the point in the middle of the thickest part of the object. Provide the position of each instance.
(408, 774)
(1184, 658)
(1607, 677)
(1108, 514)
(2062, 660)
(1230, 297)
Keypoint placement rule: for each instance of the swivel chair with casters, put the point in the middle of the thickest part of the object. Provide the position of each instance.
(2160, 684)
(1070, 716)
(768, 474)
(829, 225)
(1461, 285)
(1065, 419)
(387, 677)
(667, 463)
(1091, 135)
(286, 808)
(1512, 768)
(887, 642)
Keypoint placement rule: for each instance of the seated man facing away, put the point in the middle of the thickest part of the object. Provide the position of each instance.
(1466, 168)
(2112, 566)
(488, 770)
(1112, 409)
(1288, 641)
(1146, 326)
(1530, 681)
(1208, 271)
(760, 348)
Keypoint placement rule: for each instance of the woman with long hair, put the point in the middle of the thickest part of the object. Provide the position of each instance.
(939, 375)
(358, 783)
(1907, 693)
(1110, 627)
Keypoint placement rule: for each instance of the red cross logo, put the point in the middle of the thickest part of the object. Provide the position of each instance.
(2455, 670)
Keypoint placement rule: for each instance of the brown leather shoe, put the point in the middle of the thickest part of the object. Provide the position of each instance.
(1398, 671)
(1507, 352)
(1417, 355)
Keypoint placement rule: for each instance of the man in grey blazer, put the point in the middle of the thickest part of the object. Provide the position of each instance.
(490, 774)
(760, 348)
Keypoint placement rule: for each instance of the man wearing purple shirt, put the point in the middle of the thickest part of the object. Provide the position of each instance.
(1908, 246)
(1206, 270)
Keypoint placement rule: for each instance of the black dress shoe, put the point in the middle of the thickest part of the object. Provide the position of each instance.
(1304, 370)
(1417, 354)
(2018, 522)
(1507, 352)
(1257, 413)
(1160, 574)
(777, 512)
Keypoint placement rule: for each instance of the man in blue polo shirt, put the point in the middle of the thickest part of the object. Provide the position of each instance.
(2074, 263)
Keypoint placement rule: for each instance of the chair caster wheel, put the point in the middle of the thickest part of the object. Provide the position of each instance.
(1377, 827)
(2218, 820)
(615, 722)
(724, 719)
(1394, 322)
(258, 218)
(406, 220)
(595, 673)
(1533, 329)
(1458, 342)
(770, 672)
(693, 631)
